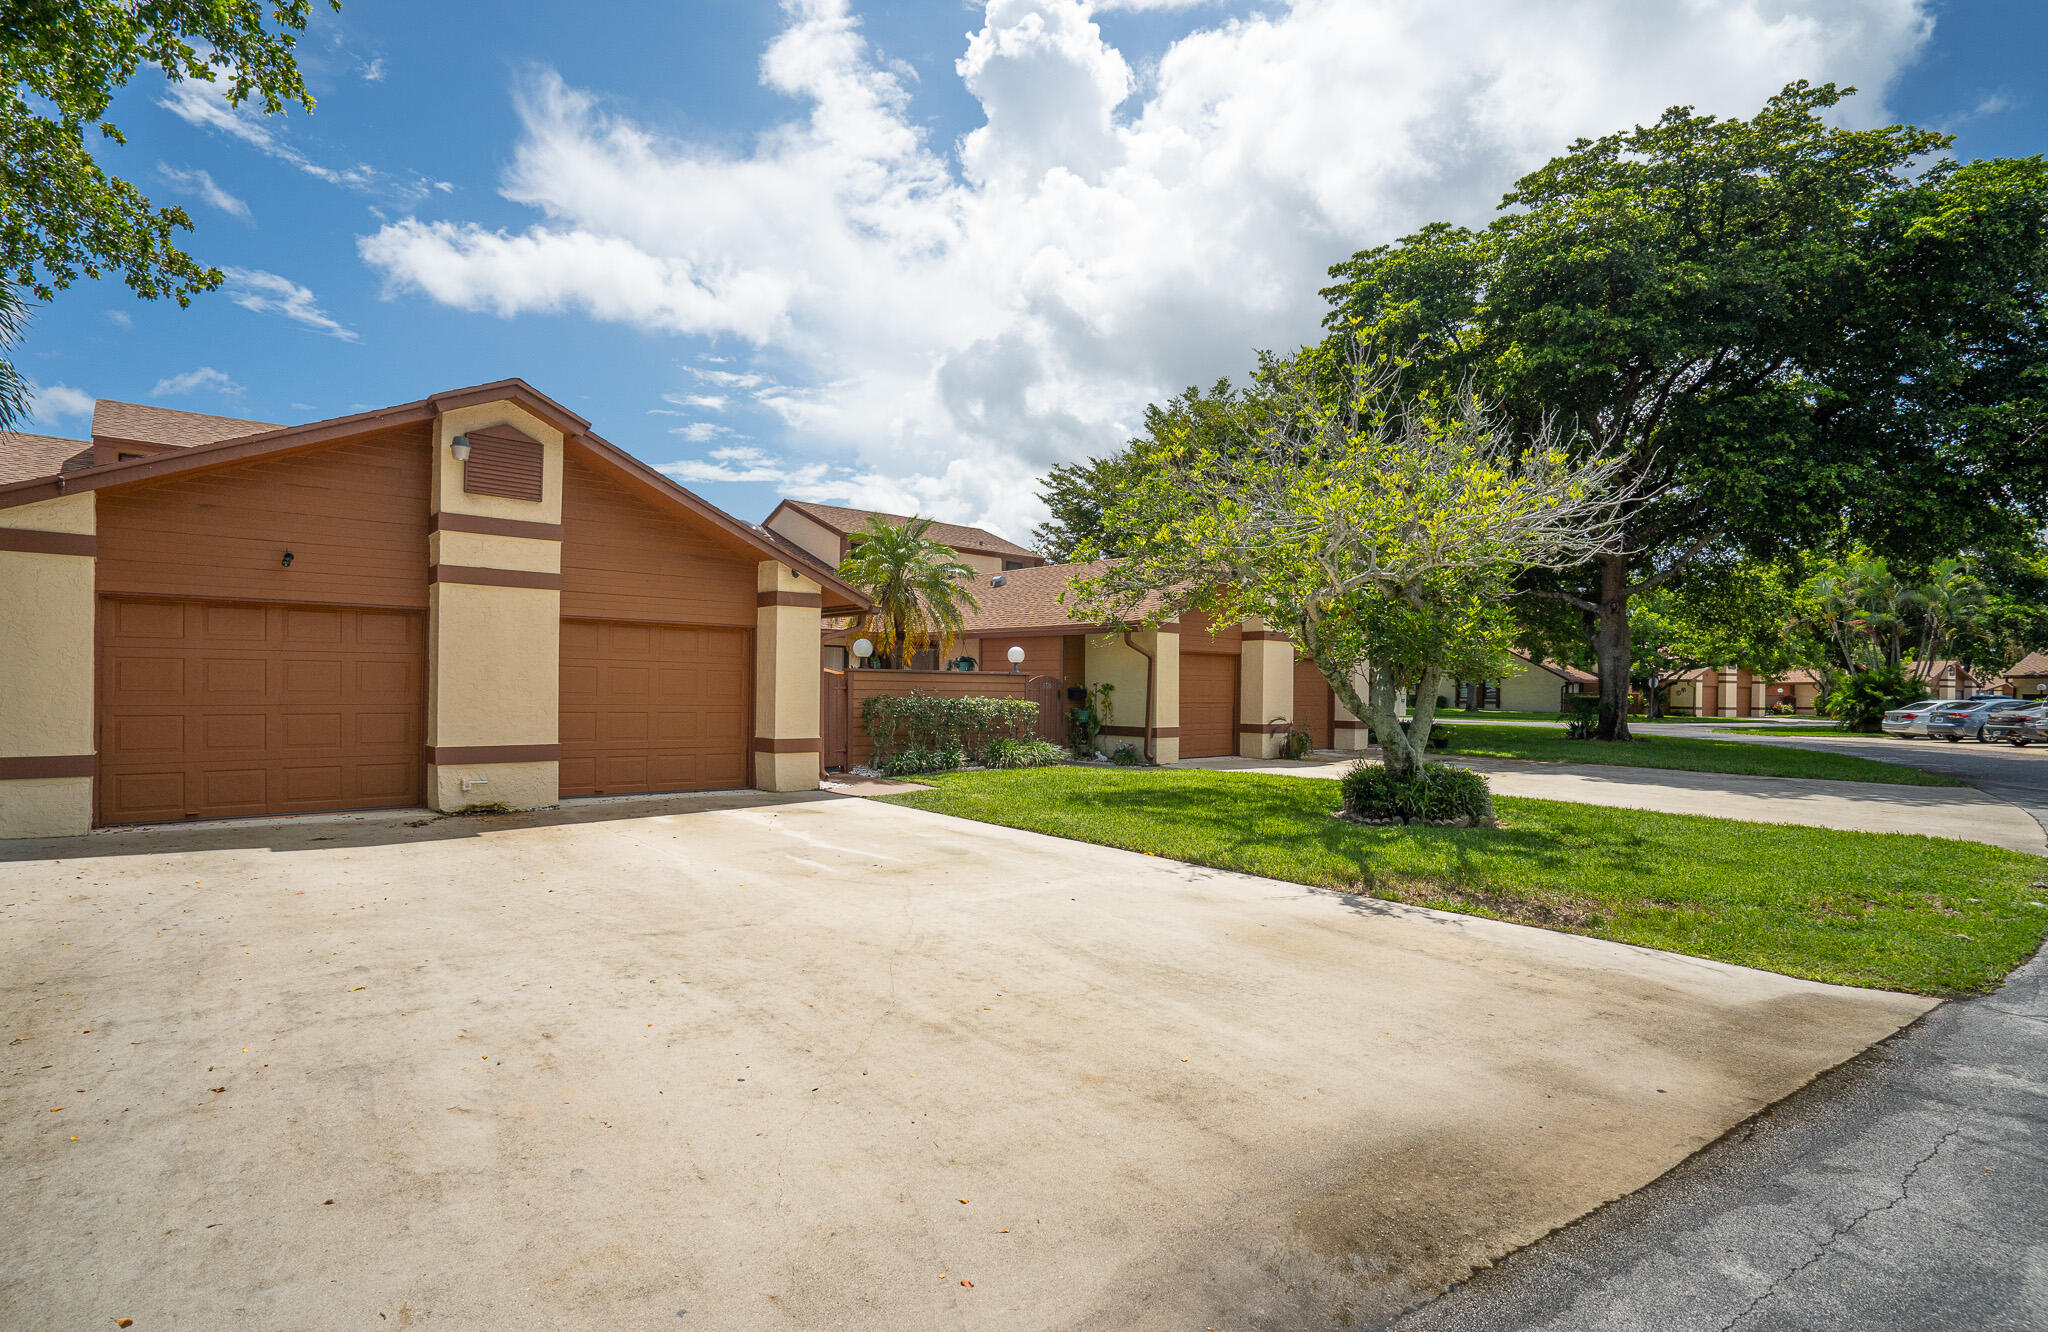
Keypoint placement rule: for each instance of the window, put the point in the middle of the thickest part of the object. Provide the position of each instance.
(1012, 564)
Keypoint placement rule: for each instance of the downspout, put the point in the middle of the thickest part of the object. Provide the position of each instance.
(1151, 675)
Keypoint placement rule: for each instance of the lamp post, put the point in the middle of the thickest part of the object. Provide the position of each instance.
(1016, 656)
(862, 650)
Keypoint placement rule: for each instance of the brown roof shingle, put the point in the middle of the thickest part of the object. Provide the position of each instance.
(23, 456)
(163, 425)
(1030, 599)
(845, 521)
(2034, 663)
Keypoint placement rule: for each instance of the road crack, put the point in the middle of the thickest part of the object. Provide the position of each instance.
(1905, 1188)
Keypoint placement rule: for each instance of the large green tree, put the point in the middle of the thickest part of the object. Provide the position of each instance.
(62, 214)
(1364, 526)
(1788, 328)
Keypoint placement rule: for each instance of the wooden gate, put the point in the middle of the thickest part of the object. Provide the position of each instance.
(1050, 696)
(835, 719)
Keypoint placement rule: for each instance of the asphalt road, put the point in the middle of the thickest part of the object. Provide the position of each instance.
(1902, 1191)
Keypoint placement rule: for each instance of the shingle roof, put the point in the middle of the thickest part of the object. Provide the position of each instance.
(1030, 599)
(1571, 673)
(23, 456)
(846, 521)
(2035, 663)
(163, 425)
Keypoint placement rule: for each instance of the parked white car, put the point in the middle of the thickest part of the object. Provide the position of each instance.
(1910, 720)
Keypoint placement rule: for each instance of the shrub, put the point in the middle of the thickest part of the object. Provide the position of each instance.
(1094, 708)
(1862, 699)
(937, 725)
(914, 759)
(1008, 753)
(1438, 793)
(1126, 756)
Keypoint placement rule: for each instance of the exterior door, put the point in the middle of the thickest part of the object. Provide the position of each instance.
(220, 710)
(1315, 708)
(654, 707)
(1208, 704)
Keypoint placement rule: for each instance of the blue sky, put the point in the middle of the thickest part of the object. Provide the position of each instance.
(900, 255)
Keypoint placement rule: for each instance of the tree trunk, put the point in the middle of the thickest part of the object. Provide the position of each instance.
(1611, 648)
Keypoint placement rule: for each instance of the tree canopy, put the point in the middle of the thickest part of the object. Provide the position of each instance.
(917, 586)
(1788, 329)
(62, 214)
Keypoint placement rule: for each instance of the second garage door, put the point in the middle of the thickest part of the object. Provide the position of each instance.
(1208, 704)
(654, 707)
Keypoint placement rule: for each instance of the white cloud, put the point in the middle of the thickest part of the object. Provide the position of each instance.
(373, 72)
(201, 104)
(193, 180)
(53, 404)
(956, 317)
(121, 318)
(267, 293)
(205, 379)
(699, 432)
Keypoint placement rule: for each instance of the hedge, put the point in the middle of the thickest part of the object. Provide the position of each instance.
(942, 726)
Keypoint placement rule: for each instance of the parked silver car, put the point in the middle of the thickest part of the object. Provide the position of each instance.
(1956, 722)
(2018, 727)
(1910, 720)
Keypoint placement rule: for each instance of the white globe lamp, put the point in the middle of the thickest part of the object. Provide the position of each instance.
(1016, 656)
(862, 650)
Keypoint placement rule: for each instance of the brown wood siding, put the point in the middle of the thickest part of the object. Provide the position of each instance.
(1042, 656)
(625, 559)
(220, 710)
(1315, 709)
(1208, 705)
(1194, 635)
(353, 515)
(1074, 660)
(654, 707)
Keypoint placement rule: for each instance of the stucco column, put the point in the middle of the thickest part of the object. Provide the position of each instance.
(1266, 691)
(786, 678)
(1164, 644)
(494, 624)
(47, 555)
(1347, 730)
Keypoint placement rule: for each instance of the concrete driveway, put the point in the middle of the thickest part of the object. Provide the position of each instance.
(745, 1061)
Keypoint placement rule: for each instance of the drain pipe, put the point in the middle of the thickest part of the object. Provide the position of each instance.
(1151, 675)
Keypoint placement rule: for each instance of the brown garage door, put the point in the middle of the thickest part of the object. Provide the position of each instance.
(654, 707)
(1208, 704)
(216, 710)
(1314, 707)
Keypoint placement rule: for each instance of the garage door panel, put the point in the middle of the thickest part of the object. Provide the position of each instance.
(1208, 704)
(214, 710)
(649, 707)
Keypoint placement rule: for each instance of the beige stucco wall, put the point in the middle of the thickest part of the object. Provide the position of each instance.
(1107, 659)
(986, 566)
(786, 681)
(1530, 689)
(449, 496)
(1265, 690)
(820, 542)
(1348, 728)
(515, 785)
(486, 551)
(46, 670)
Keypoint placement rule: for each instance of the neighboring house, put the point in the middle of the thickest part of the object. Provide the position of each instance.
(466, 600)
(1532, 686)
(1184, 689)
(2028, 678)
(828, 531)
(1729, 691)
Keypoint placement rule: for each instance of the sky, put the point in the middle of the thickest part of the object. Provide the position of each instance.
(903, 256)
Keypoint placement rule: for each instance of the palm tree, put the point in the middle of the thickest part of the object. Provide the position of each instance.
(917, 585)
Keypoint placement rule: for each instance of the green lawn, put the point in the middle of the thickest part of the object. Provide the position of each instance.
(1832, 732)
(1880, 910)
(1687, 753)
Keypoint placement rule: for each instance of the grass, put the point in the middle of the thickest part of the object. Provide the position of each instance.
(1879, 910)
(1686, 753)
(1833, 732)
(1493, 714)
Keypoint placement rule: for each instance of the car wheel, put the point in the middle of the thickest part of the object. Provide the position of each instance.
(1953, 739)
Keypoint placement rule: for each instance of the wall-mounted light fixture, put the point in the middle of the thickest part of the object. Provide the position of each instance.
(459, 446)
(287, 560)
(1016, 656)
